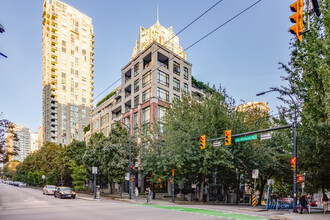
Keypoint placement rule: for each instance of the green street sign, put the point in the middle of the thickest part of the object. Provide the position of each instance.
(246, 138)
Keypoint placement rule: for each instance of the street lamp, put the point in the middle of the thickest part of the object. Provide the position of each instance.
(129, 159)
(295, 125)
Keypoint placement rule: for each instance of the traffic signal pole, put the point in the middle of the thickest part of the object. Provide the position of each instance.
(295, 126)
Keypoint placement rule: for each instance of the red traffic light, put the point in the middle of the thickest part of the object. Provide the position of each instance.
(132, 167)
(293, 160)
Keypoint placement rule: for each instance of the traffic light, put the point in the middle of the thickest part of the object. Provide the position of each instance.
(297, 18)
(293, 164)
(172, 172)
(171, 181)
(132, 179)
(203, 139)
(228, 137)
(300, 178)
(131, 169)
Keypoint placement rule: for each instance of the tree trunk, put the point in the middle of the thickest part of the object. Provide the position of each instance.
(201, 191)
(121, 189)
(262, 186)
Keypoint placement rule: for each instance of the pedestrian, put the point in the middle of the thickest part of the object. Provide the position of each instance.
(150, 194)
(303, 203)
(147, 194)
(136, 194)
(325, 201)
(153, 195)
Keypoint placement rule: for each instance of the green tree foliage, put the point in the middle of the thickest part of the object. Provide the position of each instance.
(105, 98)
(78, 175)
(9, 169)
(200, 85)
(308, 74)
(87, 128)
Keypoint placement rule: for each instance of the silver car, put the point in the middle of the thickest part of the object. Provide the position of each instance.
(48, 190)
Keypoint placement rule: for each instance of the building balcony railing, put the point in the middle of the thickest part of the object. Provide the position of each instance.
(54, 67)
(54, 34)
(53, 105)
(54, 28)
(53, 74)
(53, 87)
(54, 15)
(92, 75)
(54, 54)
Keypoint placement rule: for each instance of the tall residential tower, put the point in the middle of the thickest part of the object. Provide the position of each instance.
(68, 73)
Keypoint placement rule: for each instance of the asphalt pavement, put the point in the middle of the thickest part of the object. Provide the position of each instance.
(28, 203)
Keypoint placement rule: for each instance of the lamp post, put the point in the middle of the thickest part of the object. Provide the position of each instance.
(295, 125)
(129, 159)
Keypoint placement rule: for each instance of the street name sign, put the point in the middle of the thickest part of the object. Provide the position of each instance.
(265, 136)
(126, 176)
(246, 138)
(255, 174)
(217, 144)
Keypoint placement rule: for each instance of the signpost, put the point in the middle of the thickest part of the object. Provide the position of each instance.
(265, 136)
(43, 179)
(246, 138)
(217, 144)
(255, 175)
(94, 171)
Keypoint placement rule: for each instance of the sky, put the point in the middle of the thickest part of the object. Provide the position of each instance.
(242, 56)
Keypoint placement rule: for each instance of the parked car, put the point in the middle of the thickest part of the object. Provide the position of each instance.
(21, 184)
(48, 189)
(64, 192)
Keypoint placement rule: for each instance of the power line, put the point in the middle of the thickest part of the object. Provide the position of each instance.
(196, 19)
(202, 38)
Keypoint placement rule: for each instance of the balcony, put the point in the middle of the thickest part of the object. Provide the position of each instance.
(53, 110)
(53, 87)
(54, 34)
(92, 64)
(54, 15)
(54, 28)
(93, 35)
(44, 20)
(92, 75)
(54, 21)
(54, 54)
(53, 74)
(92, 69)
(54, 49)
(53, 61)
(54, 41)
(54, 93)
(53, 81)
(53, 105)
(54, 67)
(92, 46)
(92, 93)
(92, 82)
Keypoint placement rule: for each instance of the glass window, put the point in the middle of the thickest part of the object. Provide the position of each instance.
(136, 101)
(161, 112)
(163, 95)
(136, 85)
(146, 95)
(146, 115)
(185, 88)
(146, 79)
(176, 84)
(136, 69)
(185, 73)
(176, 68)
(163, 78)
(135, 123)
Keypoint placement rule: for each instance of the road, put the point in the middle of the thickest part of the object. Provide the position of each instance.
(30, 204)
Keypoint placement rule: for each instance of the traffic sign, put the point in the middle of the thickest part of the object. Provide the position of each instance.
(217, 144)
(43, 177)
(265, 136)
(254, 200)
(270, 182)
(126, 176)
(246, 138)
(255, 174)
(94, 170)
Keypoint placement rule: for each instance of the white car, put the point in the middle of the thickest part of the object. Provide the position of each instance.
(48, 190)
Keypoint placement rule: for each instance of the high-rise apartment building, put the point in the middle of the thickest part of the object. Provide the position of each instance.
(25, 140)
(68, 73)
(154, 77)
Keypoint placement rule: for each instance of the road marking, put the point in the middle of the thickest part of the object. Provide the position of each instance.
(208, 212)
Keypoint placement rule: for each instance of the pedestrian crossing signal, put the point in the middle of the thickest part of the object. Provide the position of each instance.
(228, 137)
(202, 142)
